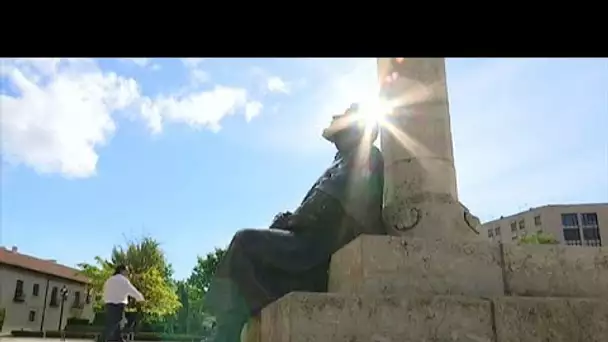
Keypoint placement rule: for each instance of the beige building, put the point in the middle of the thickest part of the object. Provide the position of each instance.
(571, 224)
(30, 292)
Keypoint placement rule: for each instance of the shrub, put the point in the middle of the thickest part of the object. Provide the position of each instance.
(538, 238)
(143, 336)
(150, 336)
(53, 334)
(77, 321)
(84, 328)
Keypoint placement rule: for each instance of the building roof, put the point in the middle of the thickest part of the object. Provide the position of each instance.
(13, 258)
(543, 207)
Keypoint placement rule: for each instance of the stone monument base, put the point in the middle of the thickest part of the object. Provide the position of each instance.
(389, 289)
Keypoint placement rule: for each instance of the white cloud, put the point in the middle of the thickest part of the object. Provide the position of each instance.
(197, 74)
(57, 113)
(252, 109)
(192, 62)
(277, 85)
(199, 110)
(142, 62)
(60, 117)
(270, 83)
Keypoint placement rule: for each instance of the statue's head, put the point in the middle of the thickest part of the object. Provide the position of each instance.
(348, 130)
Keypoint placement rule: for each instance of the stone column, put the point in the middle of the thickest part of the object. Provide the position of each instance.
(421, 197)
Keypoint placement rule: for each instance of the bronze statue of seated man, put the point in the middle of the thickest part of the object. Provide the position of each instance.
(262, 265)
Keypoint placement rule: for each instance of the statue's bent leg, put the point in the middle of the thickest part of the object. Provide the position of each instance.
(259, 267)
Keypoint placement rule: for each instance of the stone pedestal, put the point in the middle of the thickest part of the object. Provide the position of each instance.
(396, 289)
(420, 193)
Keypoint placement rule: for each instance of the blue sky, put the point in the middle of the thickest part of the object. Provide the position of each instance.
(95, 152)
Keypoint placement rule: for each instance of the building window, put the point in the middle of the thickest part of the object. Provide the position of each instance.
(19, 297)
(35, 290)
(88, 297)
(497, 231)
(54, 297)
(513, 226)
(570, 220)
(589, 219)
(76, 299)
(490, 233)
(32, 316)
(591, 230)
(522, 224)
(537, 221)
(572, 237)
(514, 237)
(592, 237)
(571, 230)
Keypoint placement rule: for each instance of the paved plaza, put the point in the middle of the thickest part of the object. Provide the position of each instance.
(29, 339)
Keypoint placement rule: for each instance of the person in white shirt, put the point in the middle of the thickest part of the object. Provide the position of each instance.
(116, 292)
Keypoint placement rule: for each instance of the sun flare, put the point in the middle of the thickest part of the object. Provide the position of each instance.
(374, 111)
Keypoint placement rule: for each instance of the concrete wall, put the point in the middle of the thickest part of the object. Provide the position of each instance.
(550, 222)
(18, 313)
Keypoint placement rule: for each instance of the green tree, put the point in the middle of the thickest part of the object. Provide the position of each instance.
(98, 274)
(143, 255)
(538, 238)
(204, 270)
(199, 321)
(183, 315)
(149, 272)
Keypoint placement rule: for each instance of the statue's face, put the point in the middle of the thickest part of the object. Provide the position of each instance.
(347, 130)
(336, 126)
(348, 138)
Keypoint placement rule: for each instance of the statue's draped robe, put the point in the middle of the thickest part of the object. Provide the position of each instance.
(262, 265)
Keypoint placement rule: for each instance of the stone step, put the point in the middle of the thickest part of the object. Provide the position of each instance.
(533, 319)
(316, 317)
(386, 265)
(331, 317)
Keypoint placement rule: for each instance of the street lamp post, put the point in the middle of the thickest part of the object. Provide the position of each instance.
(64, 295)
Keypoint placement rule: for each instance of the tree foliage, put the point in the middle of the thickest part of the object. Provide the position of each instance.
(205, 268)
(538, 238)
(183, 314)
(140, 256)
(149, 272)
(194, 288)
(98, 274)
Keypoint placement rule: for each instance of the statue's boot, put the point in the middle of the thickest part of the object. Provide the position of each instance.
(229, 327)
(231, 312)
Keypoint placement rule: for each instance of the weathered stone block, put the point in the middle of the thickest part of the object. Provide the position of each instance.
(314, 317)
(555, 271)
(526, 319)
(396, 265)
(251, 331)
